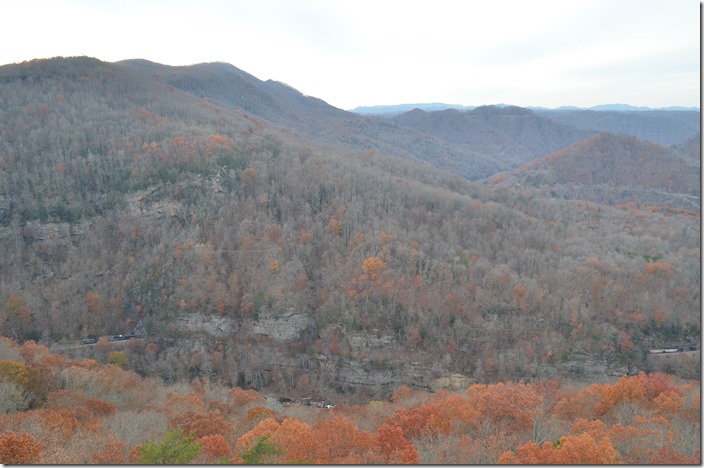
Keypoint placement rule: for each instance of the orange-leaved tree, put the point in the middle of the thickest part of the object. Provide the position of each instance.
(114, 453)
(201, 424)
(372, 266)
(292, 438)
(396, 449)
(215, 447)
(339, 441)
(512, 404)
(443, 414)
(569, 450)
(18, 448)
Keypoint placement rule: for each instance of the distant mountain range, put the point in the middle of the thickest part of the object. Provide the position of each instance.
(392, 109)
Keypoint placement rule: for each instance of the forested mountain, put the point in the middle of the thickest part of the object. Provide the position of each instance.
(615, 170)
(265, 253)
(286, 108)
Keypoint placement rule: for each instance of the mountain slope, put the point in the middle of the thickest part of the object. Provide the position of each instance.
(614, 169)
(265, 258)
(691, 148)
(512, 135)
(284, 107)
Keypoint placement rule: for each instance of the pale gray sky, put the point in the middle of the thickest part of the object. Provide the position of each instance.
(366, 52)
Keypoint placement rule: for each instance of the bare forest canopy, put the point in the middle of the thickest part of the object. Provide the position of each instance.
(253, 236)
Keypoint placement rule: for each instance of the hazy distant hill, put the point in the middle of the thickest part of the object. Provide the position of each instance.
(629, 108)
(614, 169)
(691, 148)
(512, 135)
(659, 126)
(392, 110)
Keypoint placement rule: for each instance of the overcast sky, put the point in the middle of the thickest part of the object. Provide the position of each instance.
(367, 52)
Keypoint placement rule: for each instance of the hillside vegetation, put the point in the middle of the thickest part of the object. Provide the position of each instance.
(253, 252)
(58, 411)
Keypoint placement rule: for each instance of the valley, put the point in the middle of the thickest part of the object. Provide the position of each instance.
(262, 240)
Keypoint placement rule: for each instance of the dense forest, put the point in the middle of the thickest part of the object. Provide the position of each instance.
(77, 412)
(252, 239)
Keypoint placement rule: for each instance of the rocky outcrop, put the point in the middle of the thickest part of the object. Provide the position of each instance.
(288, 326)
(212, 324)
(56, 234)
(369, 341)
(454, 382)
(141, 203)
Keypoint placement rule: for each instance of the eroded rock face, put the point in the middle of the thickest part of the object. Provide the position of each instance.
(370, 341)
(212, 324)
(287, 326)
(141, 204)
(455, 382)
(57, 234)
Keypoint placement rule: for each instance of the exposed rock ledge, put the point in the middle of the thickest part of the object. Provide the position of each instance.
(287, 326)
(212, 324)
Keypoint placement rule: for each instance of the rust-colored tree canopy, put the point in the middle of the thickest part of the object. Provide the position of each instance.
(87, 412)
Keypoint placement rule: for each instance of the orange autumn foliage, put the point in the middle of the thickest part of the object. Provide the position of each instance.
(569, 450)
(332, 440)
(179, 404)
(243, 397)
(668, 456)
(201, 424)
(339, 441)
(442, 415)
(372, 266)
(215, 447)
(114, 453)
(256, 414)
(599, 399)
(18, 448)
(78, 400)
(395, 448)
(291, 436)
(61, 421)
(514, 404)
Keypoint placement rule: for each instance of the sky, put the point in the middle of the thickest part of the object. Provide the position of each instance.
(377, 52)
